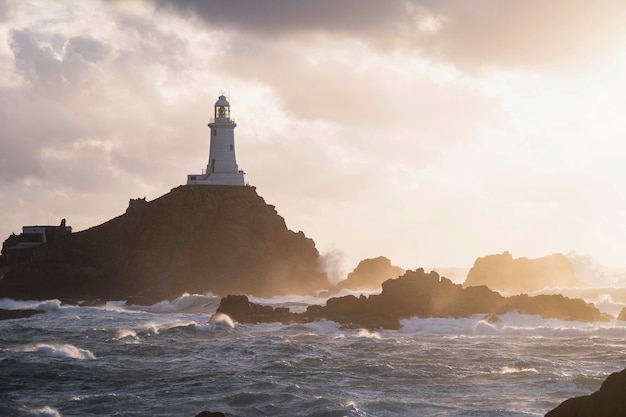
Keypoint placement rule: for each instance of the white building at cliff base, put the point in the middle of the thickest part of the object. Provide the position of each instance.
(222, 167)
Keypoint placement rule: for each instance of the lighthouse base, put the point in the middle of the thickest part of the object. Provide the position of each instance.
(216, 178)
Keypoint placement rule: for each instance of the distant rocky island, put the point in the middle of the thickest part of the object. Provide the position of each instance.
(196, 238)
(369, 275)
(515, 275)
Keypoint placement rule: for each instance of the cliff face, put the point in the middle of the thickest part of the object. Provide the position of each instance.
(503, 273)
(194, 239)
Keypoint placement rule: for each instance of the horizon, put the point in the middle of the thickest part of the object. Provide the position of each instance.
(431, 133)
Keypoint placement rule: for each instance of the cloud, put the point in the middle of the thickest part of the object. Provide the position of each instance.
(281, 18)
(476, 34)
(30, 123)
(526, 33)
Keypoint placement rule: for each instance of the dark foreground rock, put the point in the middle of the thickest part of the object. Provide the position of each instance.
(415, 294)
(609, 401)
(211, 414)
(18, 314)
(222, 239)
(505, 273)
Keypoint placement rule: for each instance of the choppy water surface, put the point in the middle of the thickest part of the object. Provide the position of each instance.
(166, 360)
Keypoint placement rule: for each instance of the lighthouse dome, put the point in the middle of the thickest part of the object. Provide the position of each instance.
(221, 101)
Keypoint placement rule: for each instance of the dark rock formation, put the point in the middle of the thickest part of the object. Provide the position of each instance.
(370, 274)
(211, 414)
(415, 294)
(18, 314)
(503, 273)
(222, 239)
(609, 401)
(246, 312)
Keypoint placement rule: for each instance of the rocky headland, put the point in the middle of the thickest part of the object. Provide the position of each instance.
(414, 294)
(515, 275)
(223, 239)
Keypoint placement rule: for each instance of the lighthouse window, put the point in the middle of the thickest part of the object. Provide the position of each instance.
(232, 147)
(215, 133)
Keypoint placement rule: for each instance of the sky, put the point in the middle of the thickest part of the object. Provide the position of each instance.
(429, 132)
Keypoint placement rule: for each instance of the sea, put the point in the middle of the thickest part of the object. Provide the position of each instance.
(168, 360)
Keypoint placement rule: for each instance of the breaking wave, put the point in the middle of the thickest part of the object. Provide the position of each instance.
(47, 305)
(45, 412)
(187, 303)
(58, 350)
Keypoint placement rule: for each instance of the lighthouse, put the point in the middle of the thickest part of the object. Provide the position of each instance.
(222, 167)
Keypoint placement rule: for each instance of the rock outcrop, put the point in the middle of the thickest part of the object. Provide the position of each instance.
(370, 274)
(18, 314)
(415, 294)
(609, 401)
(503, 273)
(211, 414)
(222, 239)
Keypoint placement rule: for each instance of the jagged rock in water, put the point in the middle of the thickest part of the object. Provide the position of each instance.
(239, 308)
(609, 401)
(504, 273)
(415, 294)
(18, 314)
(223, 239)
(370, 274)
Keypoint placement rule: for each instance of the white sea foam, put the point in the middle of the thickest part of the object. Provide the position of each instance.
(187, 303)
(295, 303)
(222, 320)
(510, 324)
(606, 304)
(512, 370)
(58, 350)
(118, 306)
(368, 334)
(156, 327)
(124, 333)
(45, 412)
(47, 305)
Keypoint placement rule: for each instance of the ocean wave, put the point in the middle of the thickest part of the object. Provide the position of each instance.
(45, 412)
(299, 303)
(154, 327)
(513, 370)
(124, 333)
(510, 324)
(222, 320)
(187, 303)
(47, 305)
(369, 334)
(58, 350)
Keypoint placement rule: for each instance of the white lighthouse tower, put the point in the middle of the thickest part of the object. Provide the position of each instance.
(222, 168)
